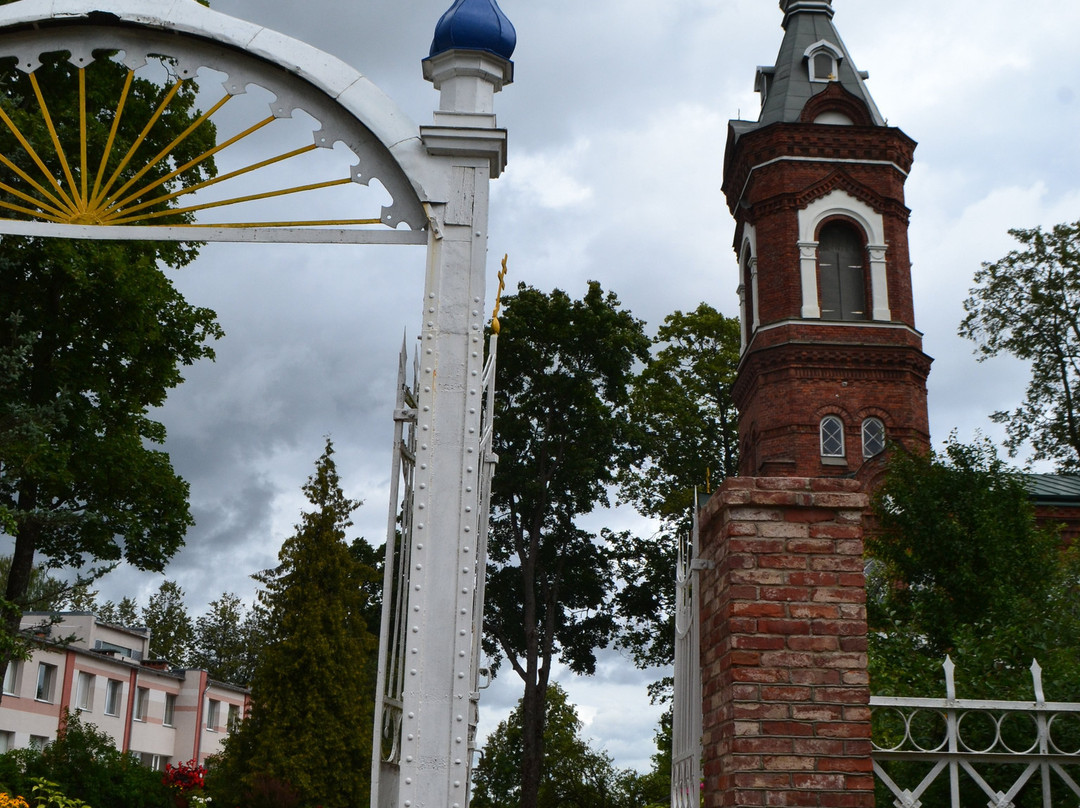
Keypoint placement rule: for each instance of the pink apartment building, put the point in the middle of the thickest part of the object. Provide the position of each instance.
(100, 670)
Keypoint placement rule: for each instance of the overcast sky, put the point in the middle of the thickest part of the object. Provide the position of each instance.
(617, 123)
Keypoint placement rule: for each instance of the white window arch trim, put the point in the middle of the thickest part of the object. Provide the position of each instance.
(753, 316)
(823, 46)
(841, 203)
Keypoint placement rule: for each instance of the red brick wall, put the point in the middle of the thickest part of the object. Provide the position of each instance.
(784, 678)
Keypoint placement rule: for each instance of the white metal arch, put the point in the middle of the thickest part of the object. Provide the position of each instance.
(348, 104)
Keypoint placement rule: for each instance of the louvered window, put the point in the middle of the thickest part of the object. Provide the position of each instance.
(841, 273)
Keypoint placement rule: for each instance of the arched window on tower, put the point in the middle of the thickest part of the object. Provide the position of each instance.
(746, 278)
(841, 273)
(873, 437)
(832, 437)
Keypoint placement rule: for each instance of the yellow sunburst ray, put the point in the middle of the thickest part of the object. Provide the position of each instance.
(60, 207)
(33, 214)
(79, 203)
(33, 200)
(161, 155)
(235, 200)
(118, 209)
(104, 192)
(19, 136)
(311, 223)
(112, 134)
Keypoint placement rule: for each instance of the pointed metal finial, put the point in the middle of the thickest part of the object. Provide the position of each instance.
(950, 680)
(1036, 679)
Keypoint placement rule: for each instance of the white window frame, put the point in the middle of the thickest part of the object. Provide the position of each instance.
(212, 710)
(881, 426)
(142, 701)
(170, 709)
(46, 683)
(114, 695)
(84, 692)
(11, 677)
(824, 48)
(829, 419)
(38, 742)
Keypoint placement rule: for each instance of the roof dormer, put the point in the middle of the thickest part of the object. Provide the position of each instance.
(823, 61)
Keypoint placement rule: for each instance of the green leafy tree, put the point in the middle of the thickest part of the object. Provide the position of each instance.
(312, 690)
(171, 629)
(562, 397)
(227, 641)
(125, 613)
(1028, 304)
(577, 776)
(45, 592)
(958, 566)
(682, 404)
(92, 336)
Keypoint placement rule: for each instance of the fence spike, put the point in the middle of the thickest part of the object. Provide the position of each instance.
(950, 681)
(1036, 678)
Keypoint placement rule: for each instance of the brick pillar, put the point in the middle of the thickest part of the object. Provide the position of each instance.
(783, 645)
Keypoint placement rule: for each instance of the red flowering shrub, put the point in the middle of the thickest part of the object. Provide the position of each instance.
(184, 776)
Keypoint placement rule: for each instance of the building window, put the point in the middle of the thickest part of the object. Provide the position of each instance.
(873, 437)
(84, 694)
(114, 692)
(152, 761)
(142, 696)
(823, 61)
(46, 682)
(841, 273)
(234, 717)
(212, 714)
(832, 437)
(170, 708)
(7, 742)
(11, 677)
(39, 742)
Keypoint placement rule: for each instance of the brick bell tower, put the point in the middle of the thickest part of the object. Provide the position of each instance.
(832, 367)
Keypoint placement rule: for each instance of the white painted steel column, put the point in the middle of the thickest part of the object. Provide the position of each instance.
(434, 767)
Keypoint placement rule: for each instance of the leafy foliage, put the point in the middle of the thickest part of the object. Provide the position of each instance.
(227, 641)
(682, 405)
(959, 567)
(92, 336)
(171, 631)
(577, 776)
(1028, 304)
(305, 732)
(562, 432)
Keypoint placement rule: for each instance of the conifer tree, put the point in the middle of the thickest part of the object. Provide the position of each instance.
(310, 725)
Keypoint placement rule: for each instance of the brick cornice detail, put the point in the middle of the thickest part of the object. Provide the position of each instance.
(834, 98)
(854, 362)
(856, 144)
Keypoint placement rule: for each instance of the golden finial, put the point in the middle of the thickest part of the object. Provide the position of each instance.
(498, 297)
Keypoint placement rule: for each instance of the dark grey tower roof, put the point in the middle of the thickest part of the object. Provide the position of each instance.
(787, 85)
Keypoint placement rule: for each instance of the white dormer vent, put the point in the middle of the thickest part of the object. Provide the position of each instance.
(823, 61)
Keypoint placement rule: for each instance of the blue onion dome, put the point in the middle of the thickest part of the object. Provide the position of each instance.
(474, 25)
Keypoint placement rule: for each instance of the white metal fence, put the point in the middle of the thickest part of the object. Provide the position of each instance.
(1000, 753)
